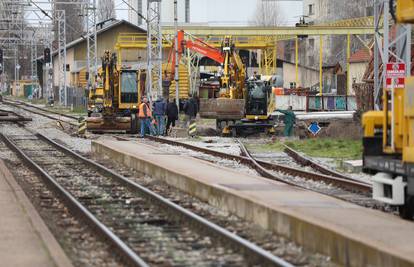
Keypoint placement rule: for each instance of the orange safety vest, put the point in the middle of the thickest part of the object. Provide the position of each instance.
(141, 113)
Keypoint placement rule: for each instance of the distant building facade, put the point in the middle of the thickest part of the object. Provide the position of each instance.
(334, 47)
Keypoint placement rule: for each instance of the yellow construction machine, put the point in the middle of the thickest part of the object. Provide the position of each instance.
(240, 107)
(114, 101)
(389, 134)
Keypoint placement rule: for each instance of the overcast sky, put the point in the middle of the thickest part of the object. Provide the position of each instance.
(219, 11)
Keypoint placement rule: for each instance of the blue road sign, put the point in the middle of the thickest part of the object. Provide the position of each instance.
(314, 128)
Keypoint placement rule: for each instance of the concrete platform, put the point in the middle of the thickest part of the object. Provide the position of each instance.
(350, 234)
(24, 238)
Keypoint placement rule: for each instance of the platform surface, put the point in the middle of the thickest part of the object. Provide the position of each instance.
(24, 238)
(374, 229)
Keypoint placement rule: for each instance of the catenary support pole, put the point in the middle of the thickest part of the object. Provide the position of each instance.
(297, 61)
(176, 68)
(320, 64)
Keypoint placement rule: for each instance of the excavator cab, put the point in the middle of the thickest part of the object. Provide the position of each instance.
(256, 100)
(128, 93)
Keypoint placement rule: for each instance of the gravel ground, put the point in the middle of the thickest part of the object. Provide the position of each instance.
(221, 144)
(51, 129)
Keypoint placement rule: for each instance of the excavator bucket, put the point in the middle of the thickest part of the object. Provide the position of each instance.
(222, 108)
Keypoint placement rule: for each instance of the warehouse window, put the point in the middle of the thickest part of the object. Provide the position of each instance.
(369, 11)
(311, 9)
(311, 43)
(187, 11)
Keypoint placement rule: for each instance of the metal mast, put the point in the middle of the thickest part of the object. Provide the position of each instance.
(91, 42)
(33, 56)
(392, 42)
(49, 66)
(176, 74)
(154, 49)
(61, 26)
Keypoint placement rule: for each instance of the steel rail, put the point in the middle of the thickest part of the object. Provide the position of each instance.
(305, 161)
(255, 253)
(7, 102)
(43, 109)
(341, 182)
(122, 249)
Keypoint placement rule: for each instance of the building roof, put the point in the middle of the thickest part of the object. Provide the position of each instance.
(360, 56)
(101, 28)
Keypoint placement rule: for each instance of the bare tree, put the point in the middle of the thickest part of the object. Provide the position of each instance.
(106, 10)
(268, 13)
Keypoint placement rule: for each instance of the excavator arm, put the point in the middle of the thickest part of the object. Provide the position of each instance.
(196, 45)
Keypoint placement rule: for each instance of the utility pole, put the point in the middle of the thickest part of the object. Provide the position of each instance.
(60, 17)
(91, 43)
(176, 68)
(154, 49)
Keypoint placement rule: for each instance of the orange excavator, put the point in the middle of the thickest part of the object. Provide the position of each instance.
(234, 108)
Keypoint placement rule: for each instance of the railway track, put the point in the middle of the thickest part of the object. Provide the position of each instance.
(143, 227)
(345, 189)
(304, 161)
(54, 115)
(259, 165)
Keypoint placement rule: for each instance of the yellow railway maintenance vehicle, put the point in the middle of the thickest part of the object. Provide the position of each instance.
(114, 101)
(389, 134)
(239, 106)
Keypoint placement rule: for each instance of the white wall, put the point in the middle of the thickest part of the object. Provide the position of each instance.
(307, 77)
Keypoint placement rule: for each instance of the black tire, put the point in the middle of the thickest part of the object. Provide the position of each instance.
(406, 211)
(134, 124)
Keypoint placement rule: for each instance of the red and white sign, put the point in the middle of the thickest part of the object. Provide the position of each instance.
(395, 70)
(398, 82)
(395, 75)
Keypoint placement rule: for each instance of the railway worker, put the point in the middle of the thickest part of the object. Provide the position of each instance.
(160, 108)
(289, 120)
(190, 110)
(145, 115)
(172, 115)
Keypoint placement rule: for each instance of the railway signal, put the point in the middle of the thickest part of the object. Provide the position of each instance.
(47, 57)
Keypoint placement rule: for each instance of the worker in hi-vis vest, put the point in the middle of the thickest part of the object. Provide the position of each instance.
(145, 115)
